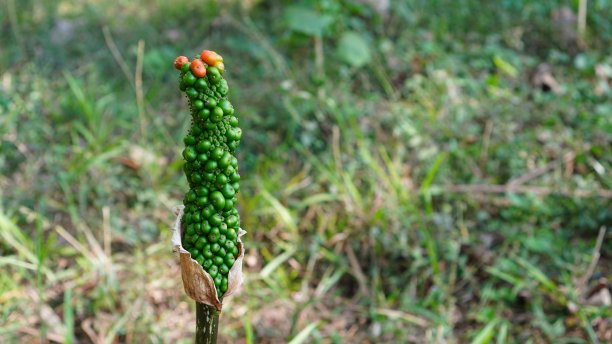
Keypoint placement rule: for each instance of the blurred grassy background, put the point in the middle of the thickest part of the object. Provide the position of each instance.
(413, 171)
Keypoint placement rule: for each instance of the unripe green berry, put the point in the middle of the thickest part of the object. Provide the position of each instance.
(217, 153)
(189, 153)
(217, 200)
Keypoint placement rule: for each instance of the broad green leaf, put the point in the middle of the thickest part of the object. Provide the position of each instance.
(307, 21)
(354, 50)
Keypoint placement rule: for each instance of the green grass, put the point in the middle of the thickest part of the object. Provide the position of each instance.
(427, 192)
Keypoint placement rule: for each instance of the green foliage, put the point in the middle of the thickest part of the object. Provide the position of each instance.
(306, 21)
(353, 49)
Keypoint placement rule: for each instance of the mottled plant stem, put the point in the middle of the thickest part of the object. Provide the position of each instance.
(207, 322)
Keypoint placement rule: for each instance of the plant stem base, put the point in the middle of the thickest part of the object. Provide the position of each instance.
(207, 323)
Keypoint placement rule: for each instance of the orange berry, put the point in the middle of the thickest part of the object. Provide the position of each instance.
(197, 68)
(180, 61)
(210, 57)
(220, 66)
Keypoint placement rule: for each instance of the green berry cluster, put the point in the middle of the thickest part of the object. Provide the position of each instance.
(211, 222)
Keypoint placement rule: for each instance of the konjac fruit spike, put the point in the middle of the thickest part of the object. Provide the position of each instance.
(211, 221)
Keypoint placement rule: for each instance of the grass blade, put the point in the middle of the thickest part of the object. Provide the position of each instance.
(304, 334)
(486, 334)
(276, 262)
(68, 317)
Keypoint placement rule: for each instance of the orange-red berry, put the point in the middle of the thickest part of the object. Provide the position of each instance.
(180, 61)
(220, 66)
(197, 68)
(210, 57)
